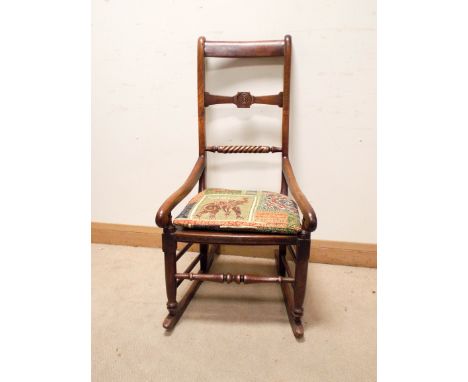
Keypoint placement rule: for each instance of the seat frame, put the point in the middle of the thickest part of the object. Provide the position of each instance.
(293, 285)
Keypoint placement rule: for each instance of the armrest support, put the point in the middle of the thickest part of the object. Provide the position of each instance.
(309, 222)
(163, 216)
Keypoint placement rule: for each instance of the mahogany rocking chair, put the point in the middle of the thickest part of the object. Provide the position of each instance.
(295, 243)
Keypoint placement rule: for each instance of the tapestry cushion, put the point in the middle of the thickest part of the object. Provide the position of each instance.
(233, 210)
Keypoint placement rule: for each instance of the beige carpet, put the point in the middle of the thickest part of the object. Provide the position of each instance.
(229, 332)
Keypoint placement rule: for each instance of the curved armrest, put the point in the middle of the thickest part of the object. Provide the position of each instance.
(309, 223)
(163, 216)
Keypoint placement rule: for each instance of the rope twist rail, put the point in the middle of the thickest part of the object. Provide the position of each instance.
(243, 149)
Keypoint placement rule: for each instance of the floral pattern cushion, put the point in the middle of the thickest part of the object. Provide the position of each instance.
(233, 210)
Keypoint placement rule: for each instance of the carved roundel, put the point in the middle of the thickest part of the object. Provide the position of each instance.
(243, 99)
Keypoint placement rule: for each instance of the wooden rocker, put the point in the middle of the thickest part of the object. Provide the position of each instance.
(215, 216)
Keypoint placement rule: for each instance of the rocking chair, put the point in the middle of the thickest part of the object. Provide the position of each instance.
(215, 216)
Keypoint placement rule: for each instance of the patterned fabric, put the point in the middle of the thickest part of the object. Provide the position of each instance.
(232, 210)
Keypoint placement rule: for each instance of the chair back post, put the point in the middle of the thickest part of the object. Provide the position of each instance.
(201, 106)
(285, 119)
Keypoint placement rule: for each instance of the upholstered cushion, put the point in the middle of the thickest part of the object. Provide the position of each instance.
(232, 210)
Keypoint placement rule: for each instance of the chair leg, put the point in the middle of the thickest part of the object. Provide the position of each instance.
(169, 248)
(176, 310)
(302, 262)
(212, 251)
(281, 256)
(204, 258)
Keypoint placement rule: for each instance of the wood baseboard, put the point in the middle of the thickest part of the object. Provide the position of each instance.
(322, 251)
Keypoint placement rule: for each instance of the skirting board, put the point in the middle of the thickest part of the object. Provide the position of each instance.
(322, 251)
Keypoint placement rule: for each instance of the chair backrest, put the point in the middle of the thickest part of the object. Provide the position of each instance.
(242, 49)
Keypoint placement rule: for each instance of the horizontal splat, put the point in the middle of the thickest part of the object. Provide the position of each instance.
(243, 149)
(244, 99)
(271, 48)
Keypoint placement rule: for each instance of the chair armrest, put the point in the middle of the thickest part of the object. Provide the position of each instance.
(309, 222)
(163, 216)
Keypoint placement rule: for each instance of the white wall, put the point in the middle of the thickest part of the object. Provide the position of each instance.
(144, 128)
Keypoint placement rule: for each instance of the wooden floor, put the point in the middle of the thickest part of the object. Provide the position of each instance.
(221, 336)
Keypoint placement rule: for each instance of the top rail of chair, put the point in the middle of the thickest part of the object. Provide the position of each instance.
(237, 49)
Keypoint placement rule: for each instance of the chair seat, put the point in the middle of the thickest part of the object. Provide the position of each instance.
(234, 210)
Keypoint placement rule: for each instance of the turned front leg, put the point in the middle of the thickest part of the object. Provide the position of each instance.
(169, 248)
(300, 283)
